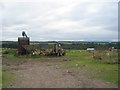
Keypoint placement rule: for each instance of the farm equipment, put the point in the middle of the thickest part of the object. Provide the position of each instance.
(22, 41)
(35, 50)
(24, 34)
(24, 48)
(57, 50)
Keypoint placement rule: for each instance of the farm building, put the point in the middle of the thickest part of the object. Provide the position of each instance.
(90, 49)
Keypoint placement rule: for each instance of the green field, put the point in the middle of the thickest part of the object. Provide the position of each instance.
(95, 68)
(0, 78)
(104, 69)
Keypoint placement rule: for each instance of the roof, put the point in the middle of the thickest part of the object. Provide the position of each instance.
(91, 49)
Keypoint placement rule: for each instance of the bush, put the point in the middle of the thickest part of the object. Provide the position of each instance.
(8, 51)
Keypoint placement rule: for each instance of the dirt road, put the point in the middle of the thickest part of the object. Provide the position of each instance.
(41, 74)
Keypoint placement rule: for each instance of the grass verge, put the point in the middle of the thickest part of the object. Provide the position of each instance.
(7, 78)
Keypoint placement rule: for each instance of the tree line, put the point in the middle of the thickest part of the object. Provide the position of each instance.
(72, 45)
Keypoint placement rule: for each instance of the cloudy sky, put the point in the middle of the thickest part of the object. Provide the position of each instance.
(89, 20)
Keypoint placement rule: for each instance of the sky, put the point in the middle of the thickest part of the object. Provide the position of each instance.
(56, 20)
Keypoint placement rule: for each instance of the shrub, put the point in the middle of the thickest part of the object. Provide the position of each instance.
(8, 51)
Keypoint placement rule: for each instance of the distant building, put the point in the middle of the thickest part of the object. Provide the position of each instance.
(90, 49)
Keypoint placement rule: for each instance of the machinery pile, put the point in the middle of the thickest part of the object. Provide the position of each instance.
(24, 48)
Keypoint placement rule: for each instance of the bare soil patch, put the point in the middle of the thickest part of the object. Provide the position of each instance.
(40, 74)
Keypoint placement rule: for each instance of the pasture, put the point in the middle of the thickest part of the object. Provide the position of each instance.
(104, 69)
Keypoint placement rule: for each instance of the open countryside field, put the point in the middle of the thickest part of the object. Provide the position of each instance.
(77, 69)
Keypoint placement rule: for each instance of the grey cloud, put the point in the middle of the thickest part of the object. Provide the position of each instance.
(33, 17)
(106, 17)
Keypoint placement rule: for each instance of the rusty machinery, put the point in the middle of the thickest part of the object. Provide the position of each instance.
(57, 50)
(24, 48)
(22, 41)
